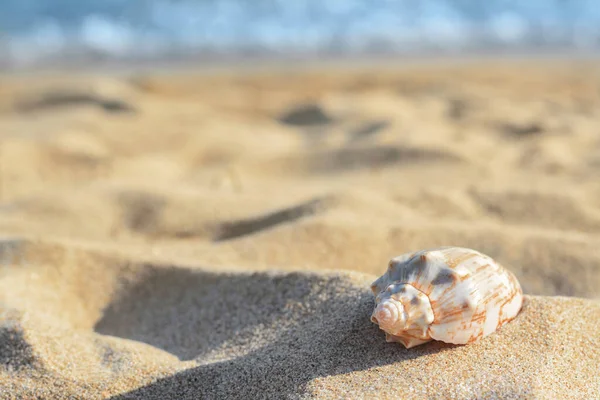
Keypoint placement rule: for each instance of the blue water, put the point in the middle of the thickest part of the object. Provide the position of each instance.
(33, 30)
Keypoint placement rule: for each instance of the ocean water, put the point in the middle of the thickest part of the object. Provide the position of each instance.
(37, 30)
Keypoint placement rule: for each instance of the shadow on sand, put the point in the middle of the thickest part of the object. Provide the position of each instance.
(277, 331)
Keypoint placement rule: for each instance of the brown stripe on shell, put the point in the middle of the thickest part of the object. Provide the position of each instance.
(477, 337)
(453, 262)
(482, 267)
(514, 294)
(456, 312)
(480, 316)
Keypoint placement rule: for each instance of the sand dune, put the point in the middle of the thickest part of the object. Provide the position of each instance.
(215, 236)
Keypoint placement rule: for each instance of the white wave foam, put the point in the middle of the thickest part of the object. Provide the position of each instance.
(121, 28)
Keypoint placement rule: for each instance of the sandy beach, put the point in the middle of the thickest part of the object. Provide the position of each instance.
(194, 235)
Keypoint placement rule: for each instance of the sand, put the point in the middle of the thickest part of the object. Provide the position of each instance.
(205, 236)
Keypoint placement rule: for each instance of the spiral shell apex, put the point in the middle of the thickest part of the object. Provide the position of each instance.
(451, 294)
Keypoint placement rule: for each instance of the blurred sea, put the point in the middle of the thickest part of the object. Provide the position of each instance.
(34, 31)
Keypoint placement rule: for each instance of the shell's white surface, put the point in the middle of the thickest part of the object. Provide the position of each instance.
(451, 294)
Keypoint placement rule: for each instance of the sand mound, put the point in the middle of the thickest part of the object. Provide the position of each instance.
(215, 236)
(149, 331)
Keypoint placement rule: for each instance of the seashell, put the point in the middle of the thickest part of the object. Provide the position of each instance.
(451, 294)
